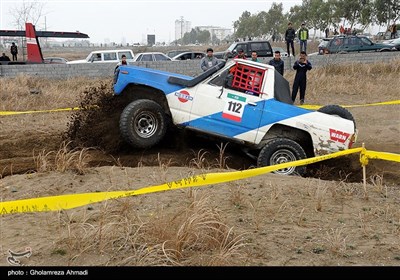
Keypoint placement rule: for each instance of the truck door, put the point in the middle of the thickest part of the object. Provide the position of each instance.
(232, 109)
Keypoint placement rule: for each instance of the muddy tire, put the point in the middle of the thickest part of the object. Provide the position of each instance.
(143, 123)
(281, 150)
(337, 110)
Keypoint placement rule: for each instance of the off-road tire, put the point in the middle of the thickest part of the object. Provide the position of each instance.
(281, 150)
(337, 110)
(143, 123)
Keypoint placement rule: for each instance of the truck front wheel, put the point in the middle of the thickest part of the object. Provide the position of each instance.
(143, 123)
(281, 150)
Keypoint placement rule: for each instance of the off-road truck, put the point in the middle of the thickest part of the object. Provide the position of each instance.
(241, 101)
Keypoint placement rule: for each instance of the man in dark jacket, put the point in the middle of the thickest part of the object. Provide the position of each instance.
(300, 80)
(277, 62)
(14, 51)
(290, 34)
(4, 57)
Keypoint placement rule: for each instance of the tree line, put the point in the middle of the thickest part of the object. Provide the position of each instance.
(319, 15)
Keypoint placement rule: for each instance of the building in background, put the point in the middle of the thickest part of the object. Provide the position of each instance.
(181, 27)
(151, 39)
(219, 32)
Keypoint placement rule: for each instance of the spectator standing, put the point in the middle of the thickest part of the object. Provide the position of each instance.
(290, 34)
(14, 51)
(302, 65)
(4, 57)
(277, 62)
(341, 30)
(326, 32)
(241, 54)
(393, 31)
(254, 57)
(123, 60)
(303, 37)
(335, 32)
(209, 60)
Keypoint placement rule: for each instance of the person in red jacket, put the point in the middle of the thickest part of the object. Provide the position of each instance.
(241, 54)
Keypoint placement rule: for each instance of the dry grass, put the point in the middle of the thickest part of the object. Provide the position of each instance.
(25, 93)
(221, 160)
(160, 176)
(65, 159)
(194, 235)
(200, 160)
(352, 79)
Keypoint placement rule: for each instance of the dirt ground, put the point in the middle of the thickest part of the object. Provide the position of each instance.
(324, 219)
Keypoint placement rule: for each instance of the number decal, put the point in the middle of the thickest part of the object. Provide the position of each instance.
(234, 107)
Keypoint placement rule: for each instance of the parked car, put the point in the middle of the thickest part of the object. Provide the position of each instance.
(220, 55)
(283, 52)
(263, 49)
(395, 43)
(322, 47)
(355, 43)
(105, 56)
(55, 60)
(173, 53)
(189, 55)
(383, 35)
(151, 56)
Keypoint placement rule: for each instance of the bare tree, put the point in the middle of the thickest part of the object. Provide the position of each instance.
(28, 11)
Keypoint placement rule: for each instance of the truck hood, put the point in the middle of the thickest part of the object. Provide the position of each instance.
(146, 76)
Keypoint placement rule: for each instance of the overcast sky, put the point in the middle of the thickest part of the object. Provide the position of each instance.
(134, 19)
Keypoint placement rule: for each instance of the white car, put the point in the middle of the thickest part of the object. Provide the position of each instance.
(151, 56)
(105, 56)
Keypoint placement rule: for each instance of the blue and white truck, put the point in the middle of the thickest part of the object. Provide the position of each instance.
(241, 101)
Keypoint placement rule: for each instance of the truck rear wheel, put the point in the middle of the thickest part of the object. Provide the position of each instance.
(281, 150)
(143, 123)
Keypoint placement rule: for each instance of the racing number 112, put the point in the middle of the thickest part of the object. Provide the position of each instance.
(234, 106)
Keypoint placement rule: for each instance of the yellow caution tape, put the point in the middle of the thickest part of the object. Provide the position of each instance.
(316, 107)
(56, 203)
(310, 107)
(382, 155)
(7, 113)
(394, 102)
